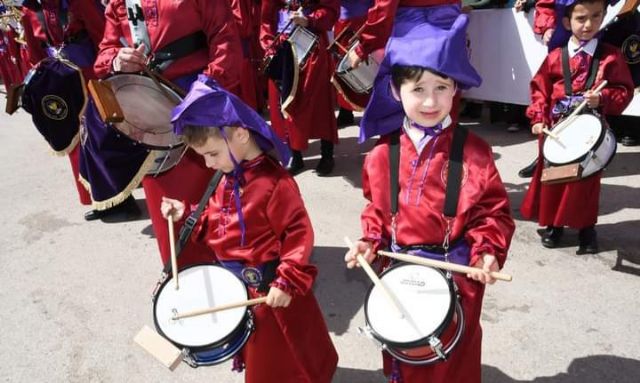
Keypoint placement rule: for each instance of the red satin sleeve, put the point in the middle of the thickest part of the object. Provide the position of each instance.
(378, 27)
(268, 22)
(324, 16)
(544, 17)
(541, 91)
(87, 16)
(33, 35)
(618, 93)
(223, 40)
(110, 43)
(290, 223)
(375, 227)
(489, 226)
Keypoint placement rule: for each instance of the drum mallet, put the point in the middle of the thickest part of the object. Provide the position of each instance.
(172, 246)
(376, 281)
(160, 348)
(228, 306)
(442, 265)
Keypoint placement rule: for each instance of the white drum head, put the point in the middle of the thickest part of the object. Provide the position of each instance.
(423, 293)
(201, 287)
(575, 139)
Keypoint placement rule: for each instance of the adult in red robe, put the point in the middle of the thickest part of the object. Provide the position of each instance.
(311, 114)
(292, 344)
(10, 61)
(483, 220)
(167, 21)
(83, 17)
(249, 89)
(573, 204)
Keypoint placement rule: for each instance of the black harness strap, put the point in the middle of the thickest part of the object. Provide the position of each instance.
(566, 70)
(454, 178)
(179, 48)
(187, 228)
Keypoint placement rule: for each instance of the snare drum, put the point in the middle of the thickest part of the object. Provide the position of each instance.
(359, 79)
(147, 107)
(581, 140)
(303, 42)
(209, 339)
(434, 320)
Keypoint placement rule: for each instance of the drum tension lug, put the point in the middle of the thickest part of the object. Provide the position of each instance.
(366, 331)
(186, 357)
(436, 346)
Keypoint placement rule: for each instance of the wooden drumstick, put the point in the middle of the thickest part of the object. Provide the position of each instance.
(172, 246)
(376, 281)
(564, 122)
(443, 265)
(215, 309)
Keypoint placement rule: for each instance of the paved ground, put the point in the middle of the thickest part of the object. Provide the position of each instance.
(75, 293)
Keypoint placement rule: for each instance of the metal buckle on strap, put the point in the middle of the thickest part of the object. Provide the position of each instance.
(190, 222)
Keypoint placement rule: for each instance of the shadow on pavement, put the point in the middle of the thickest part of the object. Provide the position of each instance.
(590, 369)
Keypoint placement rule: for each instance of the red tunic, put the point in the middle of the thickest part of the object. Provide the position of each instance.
(573, 204)
(545, 16)
(242, 12)
(166, 22)
(311, 114)
(483, 218)
(289, 345)
(10, 66)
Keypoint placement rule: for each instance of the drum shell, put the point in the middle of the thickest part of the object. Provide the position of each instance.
(549, 141)
(418, 342)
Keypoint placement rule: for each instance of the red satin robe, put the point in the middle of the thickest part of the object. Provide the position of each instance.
(545, 16)
(83, 16)
(166, 22)
(249, 89)
(11, 70)
(312, 111)
(483, 218)
(573, 204)
(289, 345)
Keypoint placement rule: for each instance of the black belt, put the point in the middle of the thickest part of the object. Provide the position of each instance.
(179, 48)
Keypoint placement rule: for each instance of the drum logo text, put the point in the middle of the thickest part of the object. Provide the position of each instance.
(54, 107)
(412, 282)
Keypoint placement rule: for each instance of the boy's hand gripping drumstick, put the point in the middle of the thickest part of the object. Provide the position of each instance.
(562, 124)
(442, 265)
(172, 246)
(215, 309)
(376, 281)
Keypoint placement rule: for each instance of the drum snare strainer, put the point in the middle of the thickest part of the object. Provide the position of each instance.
(433, 321)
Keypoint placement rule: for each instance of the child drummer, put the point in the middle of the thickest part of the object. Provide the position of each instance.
(553, 95)
(423, 70)
(256, 224)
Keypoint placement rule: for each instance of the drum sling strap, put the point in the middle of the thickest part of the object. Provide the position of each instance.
(454, 176)
(566, 70)
(269, 271)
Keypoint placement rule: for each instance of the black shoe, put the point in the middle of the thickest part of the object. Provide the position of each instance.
(551, 239)
(297, 164)
(345, 117)
(587, 241)
(325, 166)
(629, 141)
(527, 171)
(128, 208)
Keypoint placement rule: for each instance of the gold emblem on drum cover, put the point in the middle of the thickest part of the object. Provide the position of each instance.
(54, 107)
(631, 49)
(251, 275)
(445, 174)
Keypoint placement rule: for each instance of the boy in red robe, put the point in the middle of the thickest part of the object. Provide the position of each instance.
(423, 70)
(574, 204)
(254, 218)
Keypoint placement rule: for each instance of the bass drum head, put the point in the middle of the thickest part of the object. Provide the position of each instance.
(575, 139)
(146, 109)
(424, 293)
(201, 286)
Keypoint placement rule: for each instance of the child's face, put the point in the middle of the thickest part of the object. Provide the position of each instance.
(428, 100)
(585, 20)
(216, 152)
